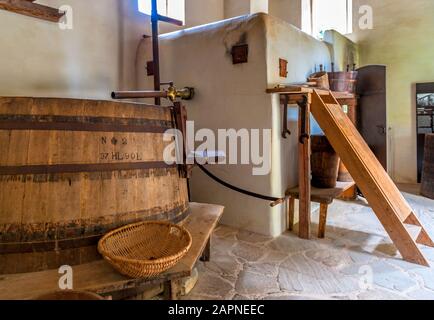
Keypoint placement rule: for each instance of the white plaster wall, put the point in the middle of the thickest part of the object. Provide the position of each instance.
(199, 12)
(258, 6)
(402, 40)
(233, 96)
(96, 57)
(235, 8)
(287, 10)
(40, 59)
(303, 53)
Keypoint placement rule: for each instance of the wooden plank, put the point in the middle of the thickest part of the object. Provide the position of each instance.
(297, 89)
(293, 98)
(324, 195)
(290, 89)
(291, 209)
(304, 170)
(101, 278)
(31, 9)
(384, 197)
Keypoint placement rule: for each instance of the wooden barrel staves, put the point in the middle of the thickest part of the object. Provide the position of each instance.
(72, 170)
(324, 163)
(427, 188)
(343, 81)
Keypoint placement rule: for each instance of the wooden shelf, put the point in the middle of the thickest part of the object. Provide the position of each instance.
(31, 9)
(325, 196)
(101, 278)
(299, 89)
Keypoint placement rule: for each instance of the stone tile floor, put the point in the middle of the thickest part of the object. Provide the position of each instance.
(356, 260)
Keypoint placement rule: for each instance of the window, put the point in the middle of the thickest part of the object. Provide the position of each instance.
(331, 14)
(170, 8)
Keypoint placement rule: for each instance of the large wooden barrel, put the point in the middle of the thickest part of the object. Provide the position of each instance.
(427, 188)
(324, 163)
(72, 170)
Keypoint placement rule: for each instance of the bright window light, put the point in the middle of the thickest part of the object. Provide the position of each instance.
(331, 14)
(170, 8)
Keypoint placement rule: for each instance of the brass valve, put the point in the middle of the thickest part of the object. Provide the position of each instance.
(186, 93)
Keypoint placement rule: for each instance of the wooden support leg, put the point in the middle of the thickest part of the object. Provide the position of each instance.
(171, 290)
(291, 208)
(206, 255)
(322, 220)
(304, 167)
(349, 195)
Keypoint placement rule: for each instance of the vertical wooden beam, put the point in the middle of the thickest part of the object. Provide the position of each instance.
(322, 220)
(171, 290)
(304, 166)
(291, 208)
(206, 254)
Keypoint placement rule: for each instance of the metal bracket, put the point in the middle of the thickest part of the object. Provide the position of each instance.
(180, 115)
(303, 105)
(285, 130)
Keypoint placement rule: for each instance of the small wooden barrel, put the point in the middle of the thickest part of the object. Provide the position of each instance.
(321, 79)
(324, 163)
(427, 188)
(343, 81)
(73, 170)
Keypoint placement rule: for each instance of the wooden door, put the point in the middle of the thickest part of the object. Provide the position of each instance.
(371, 88)
(424, 120)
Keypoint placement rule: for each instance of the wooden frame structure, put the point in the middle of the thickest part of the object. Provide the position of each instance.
(382, 194)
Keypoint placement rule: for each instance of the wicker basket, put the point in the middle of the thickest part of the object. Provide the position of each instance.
(145, 249)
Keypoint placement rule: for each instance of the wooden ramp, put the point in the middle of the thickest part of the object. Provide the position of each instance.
(389, 205)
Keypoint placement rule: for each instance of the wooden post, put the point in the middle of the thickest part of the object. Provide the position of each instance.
(206, 254)
(322, 220)
(304, 166)
(291, 207)
(171, 290)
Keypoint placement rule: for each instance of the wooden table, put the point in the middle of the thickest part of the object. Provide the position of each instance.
(324, 197)
(99, 277)
(302, 96)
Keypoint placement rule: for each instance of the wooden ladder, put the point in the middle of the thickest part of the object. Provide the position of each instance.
(386, 200)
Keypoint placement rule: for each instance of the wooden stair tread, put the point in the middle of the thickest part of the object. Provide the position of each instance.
(325, 196)
(382, 194)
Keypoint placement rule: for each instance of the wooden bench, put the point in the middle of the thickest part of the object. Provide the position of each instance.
(99, 277)
(324, 197)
